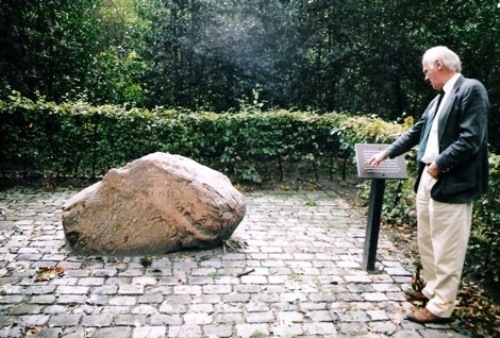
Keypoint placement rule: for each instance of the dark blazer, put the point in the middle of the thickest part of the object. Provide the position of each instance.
(463, 144)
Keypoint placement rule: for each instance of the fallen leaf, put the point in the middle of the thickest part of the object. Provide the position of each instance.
(46, 274)
(33, 330)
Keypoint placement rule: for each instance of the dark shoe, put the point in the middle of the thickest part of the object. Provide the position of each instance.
(413, 295)
(424, 316)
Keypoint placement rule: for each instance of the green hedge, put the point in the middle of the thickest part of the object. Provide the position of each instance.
(78, 140)
(81, 140)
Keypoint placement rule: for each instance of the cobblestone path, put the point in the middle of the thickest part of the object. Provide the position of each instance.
(300, 276)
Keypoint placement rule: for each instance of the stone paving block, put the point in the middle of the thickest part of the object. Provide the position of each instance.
(15, 331)
(201, 308)
(144, 309)
(396, 296)
(72, 290)
(55, 309)
(48, 333)
(386, 287)
(187, 290)
(319, 329)
(375, 296)
(35, 320)
(352, 316)
(289, 316)
(377, 315)
(360, 288)
(185, 331)
(407, 334)
(43, 299)
(154, 297)
(218, 331)
(429, 333)
(249, 330)
(101, 320)
(29, 257)
(64, 320)
(383, 327)
(113, 332)
(260, 317)
(149, 332)
(173, 320)
(206, 299)
(197, 318)
(54, 257)
(358, 278)
(236, 298)
(40, 289)
(26, 309)
(229, 317)
(220, 279)
(131, 289)
(397, 272)
(217, 289)
(90, 281)
(105, 290)
(349, 297)
(352, 329)
(73, 332)
(69, 266)
(287, 330)
(319, 315)
(8, 289)
(169, 308)
(134, 320)
(123, 301)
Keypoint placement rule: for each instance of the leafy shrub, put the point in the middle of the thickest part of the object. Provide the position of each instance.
(484, 245)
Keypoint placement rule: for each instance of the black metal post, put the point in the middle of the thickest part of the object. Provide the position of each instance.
(373, 226)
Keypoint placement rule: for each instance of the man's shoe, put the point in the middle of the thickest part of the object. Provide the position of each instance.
(413, 295)
(424, 316)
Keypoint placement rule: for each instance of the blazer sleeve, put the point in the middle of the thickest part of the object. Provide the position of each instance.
(412, 137)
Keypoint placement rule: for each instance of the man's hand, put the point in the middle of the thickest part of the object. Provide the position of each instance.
(378, 158)
(433, 170)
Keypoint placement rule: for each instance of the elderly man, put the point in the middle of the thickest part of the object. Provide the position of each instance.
(452, 173)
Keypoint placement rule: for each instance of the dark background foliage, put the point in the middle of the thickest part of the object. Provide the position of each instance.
(355, 57)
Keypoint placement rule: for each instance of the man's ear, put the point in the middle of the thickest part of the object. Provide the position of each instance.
(438, 65)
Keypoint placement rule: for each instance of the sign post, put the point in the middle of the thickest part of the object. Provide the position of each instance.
(389, 169)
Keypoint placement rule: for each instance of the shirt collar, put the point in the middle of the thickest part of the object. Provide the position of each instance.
(451, 82)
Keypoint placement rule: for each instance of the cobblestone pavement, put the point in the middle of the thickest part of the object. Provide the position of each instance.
(300, 276)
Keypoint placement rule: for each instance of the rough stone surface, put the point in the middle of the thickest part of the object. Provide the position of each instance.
(157, 204)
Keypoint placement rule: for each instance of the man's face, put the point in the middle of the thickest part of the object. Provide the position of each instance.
(432, 73)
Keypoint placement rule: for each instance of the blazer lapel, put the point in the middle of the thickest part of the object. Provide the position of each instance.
(445, 112)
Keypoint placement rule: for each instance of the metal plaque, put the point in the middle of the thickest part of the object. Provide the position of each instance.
(390, 169)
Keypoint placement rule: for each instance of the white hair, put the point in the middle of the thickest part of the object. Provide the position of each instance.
(448, 57)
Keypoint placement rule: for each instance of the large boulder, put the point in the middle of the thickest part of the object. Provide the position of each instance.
(157, 204)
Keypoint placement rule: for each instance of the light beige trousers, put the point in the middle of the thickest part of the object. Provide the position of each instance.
(443, 233)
